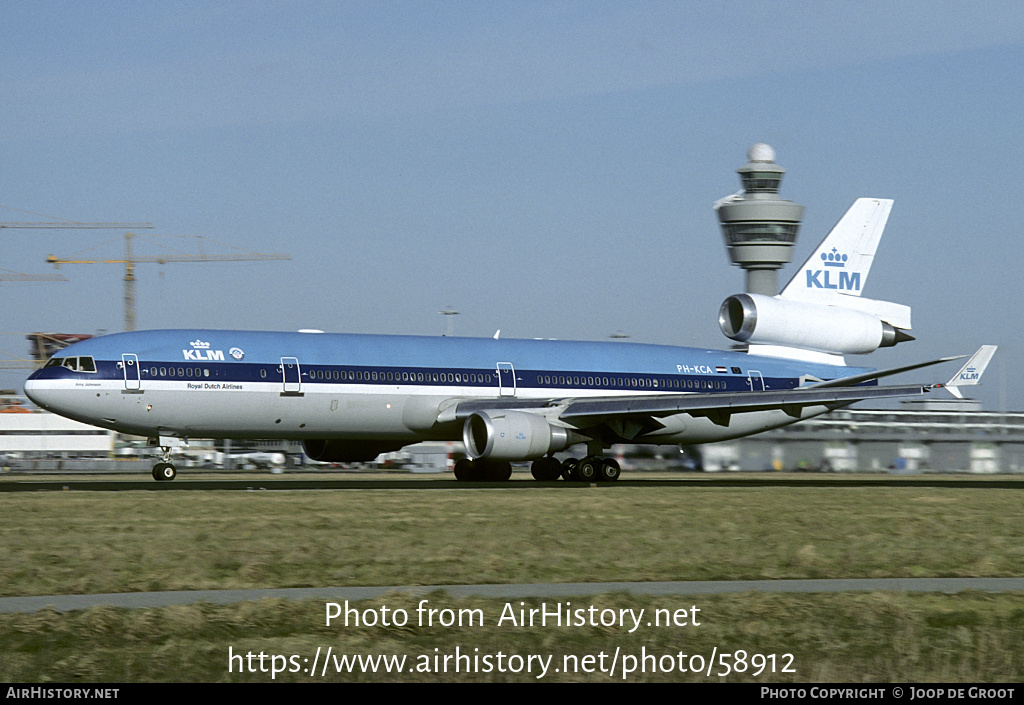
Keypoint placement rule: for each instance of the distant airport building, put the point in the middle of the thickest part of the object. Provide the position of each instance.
(28, 434)
(759, 228)
(926, 439)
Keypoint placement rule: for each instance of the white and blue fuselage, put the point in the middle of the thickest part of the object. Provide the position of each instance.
(381, 389)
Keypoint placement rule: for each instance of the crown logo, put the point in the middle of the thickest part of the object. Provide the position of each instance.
(199, 345)
(833, 258)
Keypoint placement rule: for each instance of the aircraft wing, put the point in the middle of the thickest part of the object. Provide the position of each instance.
(719, 408)
(790, 401)
(878, 374)
(638, 412)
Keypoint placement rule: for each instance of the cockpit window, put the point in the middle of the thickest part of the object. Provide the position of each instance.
(76, 364)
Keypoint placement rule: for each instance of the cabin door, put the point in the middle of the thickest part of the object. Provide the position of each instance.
(132, 374)
(291, 376)
(755, 381)
(506, 379)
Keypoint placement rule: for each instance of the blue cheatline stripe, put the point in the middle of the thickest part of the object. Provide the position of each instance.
(342, 375)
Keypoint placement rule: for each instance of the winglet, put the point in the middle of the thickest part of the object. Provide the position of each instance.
(971, 372)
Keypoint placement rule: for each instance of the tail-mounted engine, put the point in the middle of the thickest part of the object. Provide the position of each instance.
(514, 435)
(772, 320)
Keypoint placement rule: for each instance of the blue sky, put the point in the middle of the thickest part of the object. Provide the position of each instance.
(546, 168)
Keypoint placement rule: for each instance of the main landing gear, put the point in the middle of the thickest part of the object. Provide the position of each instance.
(591, 469)
(481, 469)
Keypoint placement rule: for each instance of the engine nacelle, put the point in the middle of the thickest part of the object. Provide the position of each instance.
(770, 320)
(514, 435)
(342, 451)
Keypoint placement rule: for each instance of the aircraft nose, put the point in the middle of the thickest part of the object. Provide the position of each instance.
(41, 392)
(34, 392)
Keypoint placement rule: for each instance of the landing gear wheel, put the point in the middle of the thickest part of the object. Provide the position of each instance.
(164, 472)
(609, 470)
(588, 469)
(569, 469)
(497, 470)
(546, 469)
(465, 469)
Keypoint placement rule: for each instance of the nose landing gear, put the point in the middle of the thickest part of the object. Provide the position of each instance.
(164, 471)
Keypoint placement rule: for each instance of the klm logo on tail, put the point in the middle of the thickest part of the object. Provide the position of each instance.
(821, 279)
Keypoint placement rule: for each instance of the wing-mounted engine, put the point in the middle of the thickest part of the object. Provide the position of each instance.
(773, 320)
(514, 435)
(342, 451)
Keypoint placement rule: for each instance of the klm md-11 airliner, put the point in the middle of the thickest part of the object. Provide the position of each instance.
(349, 398)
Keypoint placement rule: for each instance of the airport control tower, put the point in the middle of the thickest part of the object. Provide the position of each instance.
(760, 228)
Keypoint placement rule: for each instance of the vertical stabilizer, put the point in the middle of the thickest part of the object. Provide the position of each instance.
(836, 273)
(842, 261)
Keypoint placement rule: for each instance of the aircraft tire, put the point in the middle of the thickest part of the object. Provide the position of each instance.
(546, 469)
(588, 469)
(537, 469)
(164, 472)
(497, 471)
(569, 469)
(465, 470)
(609, 471)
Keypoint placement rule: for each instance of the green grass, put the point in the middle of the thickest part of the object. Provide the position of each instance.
(54, 543)
(877, 637)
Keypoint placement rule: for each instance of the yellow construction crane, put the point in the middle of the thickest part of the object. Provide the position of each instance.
(130, 260)
(7, 275)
